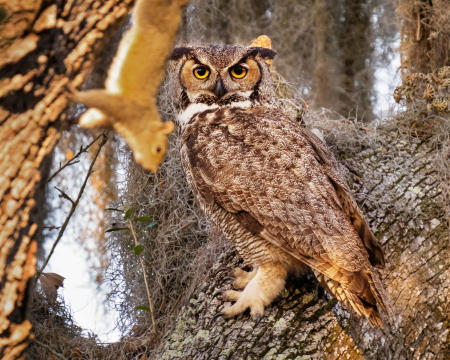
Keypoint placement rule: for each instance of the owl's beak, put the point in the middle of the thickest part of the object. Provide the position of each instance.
(219, 88)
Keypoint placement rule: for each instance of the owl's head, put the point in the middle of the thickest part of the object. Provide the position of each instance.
(223, 75)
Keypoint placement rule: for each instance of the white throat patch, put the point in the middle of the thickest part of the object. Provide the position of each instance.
(192, 109)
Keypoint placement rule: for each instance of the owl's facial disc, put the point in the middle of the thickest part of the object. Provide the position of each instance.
(210, 83)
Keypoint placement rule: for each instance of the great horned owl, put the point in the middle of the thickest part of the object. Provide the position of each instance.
(270, 185)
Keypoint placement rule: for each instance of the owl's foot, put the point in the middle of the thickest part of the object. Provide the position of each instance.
(262, 288)
(242, 278)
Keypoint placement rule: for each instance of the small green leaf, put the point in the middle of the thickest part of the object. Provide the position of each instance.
(153, 223)
(128, 213)
(142, 307)
(137, 249)
(116, 229)
(143, 218)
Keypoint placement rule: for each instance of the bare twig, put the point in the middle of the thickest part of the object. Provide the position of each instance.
(49, 349)
(74, 204)
(74, 159)
(418, 30)
(64, 195)
(51, 227)
(147, 288)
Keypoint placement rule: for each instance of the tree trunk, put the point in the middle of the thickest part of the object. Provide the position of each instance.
(43, 47)
(398, 189)
(325, 61)
(343, 46)
(355, 44)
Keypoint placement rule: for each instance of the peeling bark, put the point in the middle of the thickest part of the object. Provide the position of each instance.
(399, 191)
(43, 47)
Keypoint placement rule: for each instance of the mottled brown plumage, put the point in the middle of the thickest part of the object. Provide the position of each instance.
(272, 187)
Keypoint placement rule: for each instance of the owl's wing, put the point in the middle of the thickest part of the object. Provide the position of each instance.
(348, 203)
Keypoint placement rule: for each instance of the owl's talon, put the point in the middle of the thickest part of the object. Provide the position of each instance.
(221, 269)
(214, 318)
(257, 319)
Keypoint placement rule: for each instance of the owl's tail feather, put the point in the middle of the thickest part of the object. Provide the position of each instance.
(367, 299)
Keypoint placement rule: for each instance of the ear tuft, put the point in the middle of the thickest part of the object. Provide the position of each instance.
(262, 41)
(266, 54)
(179, 52)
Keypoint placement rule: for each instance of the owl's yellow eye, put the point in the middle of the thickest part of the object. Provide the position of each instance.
(201, 72)
(238, 71)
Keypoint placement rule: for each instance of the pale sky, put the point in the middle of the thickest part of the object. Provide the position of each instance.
(80, 292)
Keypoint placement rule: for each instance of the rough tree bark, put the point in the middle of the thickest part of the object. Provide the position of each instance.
(44, 45)
(398, 189)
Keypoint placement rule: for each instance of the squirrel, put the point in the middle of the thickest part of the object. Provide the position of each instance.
(128, 103)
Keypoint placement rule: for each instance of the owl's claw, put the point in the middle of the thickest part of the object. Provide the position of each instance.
(220, 270)
(240, 280)
(227, 278)
(214, 318)
(257, 319)
(243, 301)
